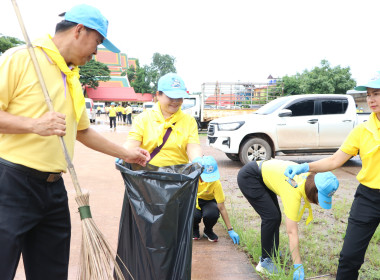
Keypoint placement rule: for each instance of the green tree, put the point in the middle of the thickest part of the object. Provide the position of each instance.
(93, 72)
(138, 78)
(161, 65)
(321, 79)
(7, 42)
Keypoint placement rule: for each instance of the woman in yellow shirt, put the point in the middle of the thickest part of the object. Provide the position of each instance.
(210, 202)
(365, 210)
(262, 183)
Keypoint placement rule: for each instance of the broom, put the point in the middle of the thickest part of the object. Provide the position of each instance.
(97, 260)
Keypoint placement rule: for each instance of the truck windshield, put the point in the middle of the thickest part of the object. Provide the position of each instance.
(272, 106)
(188, 103)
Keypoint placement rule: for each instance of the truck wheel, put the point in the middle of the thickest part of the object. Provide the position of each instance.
(199, 125)
(234, 157)
(255, 149)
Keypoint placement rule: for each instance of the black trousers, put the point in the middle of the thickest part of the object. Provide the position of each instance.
(265, 203)
(362, 223)
(209, 212)
(129, 119)
(34, 221)
(119, 116)
(112, 121)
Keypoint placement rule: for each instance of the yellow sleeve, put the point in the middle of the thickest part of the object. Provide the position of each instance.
(352, 143)
(193, 132)
(137, 131)
(218, 192)
(8, 68)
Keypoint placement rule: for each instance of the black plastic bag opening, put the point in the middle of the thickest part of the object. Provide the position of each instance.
(155, 236)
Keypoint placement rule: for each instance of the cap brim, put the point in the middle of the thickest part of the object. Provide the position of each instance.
(210, 177)
(372, 84)
(176, 94)
(109, 46)
(324, 201)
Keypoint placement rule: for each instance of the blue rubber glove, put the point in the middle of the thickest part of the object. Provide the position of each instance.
(118, 161)
(234, 236)
(299, 274)
(293, 170)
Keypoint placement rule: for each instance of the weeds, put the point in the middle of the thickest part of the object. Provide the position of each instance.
(320, 242)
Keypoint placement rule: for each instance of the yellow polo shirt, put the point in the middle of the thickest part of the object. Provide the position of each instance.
(274, 178)
(210, 191)
(21, 95)
(112, 111)
(128, 110)
(149, 127)
(365, 139)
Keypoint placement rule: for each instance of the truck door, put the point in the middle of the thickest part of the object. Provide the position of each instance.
(299, 130)
(334, 122)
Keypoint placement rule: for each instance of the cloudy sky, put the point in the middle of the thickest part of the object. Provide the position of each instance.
(228, 41)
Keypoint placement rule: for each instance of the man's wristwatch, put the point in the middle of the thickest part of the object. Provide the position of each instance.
(229, 229)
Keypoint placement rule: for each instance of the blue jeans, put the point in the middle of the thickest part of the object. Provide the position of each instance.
(34, 221)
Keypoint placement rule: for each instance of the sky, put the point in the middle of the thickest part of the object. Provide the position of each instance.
(227, 41)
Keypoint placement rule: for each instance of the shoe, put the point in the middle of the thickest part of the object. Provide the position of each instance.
(211, 236)
(266, 266)
(196, 235)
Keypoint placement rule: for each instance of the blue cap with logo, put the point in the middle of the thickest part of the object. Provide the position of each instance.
(173, 86)
(210, 172)
(373, 83)
(92, 18)
(327, 184)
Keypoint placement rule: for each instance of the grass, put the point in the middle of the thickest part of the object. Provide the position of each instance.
(320, 241)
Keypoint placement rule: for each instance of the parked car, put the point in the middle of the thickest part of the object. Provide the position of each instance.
(91, 111)
(310, 123)
(136, 109)
(148, 105)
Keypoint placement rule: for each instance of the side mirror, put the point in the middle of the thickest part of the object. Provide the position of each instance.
(285, 113)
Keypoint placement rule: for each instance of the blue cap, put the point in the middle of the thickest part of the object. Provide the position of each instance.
(327, 184)
(210, 172)
(92, 18)
(373, 83)
(112, 103)
(173, 86)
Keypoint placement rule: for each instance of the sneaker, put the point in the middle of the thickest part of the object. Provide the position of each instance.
(196, 235)
(211, 236)
(266, 266)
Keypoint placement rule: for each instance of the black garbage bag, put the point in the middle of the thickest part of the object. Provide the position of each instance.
(155, 236)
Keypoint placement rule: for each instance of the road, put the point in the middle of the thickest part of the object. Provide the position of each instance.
(97, 174)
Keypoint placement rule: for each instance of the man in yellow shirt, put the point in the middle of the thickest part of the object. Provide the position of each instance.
(262, 183)
(210, 202)
(365, 211)
(112, 111)
(34, 212)
(128, 111)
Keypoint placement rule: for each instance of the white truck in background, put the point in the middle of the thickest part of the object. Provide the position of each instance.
(203, 114)
(311, 123)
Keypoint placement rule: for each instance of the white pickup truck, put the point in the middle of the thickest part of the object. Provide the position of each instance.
(311, 123)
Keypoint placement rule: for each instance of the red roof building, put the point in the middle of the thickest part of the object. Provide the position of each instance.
(118, 87)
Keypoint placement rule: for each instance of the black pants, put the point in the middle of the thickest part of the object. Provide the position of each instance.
(129, 119)
(124, 117)
(119, 116)
(362, 223)
(34, 221)
(209, 212)
(265, 202)
(112, 121)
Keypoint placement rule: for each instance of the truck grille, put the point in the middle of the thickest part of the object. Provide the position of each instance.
(212, 139)
(211, 129)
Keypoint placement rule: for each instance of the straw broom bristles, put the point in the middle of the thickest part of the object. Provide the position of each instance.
(97, 261)
(96, 258)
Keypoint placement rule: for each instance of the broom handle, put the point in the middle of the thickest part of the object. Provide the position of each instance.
(48, 101)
